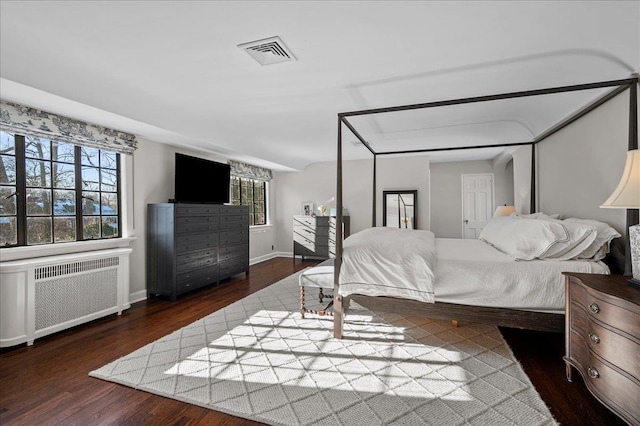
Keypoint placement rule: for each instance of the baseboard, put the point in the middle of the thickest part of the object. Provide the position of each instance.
(269, 256)
(137, 296)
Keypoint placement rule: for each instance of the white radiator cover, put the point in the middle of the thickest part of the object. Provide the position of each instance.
(44, 295)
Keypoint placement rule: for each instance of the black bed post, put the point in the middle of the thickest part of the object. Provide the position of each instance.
(338, 316)
(633, 218)
(532, 207)
(374, 218)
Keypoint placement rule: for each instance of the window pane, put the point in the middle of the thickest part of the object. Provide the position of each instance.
(38, 202)
(64, 175)
(90, 178)
(7, 200)
(8, 231)
(7, 143)
(38, 173)
(64, 203)
(7, 169)
(90, 203)
(109, 179)
(90, 156)
(64, 229)
(109, 226)
(38, 230)
(109, 204)
(108, 159)
(91, 228)
(261, 219)
(63, 152)
(37, 148)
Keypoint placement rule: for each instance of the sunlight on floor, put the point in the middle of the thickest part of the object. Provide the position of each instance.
(276, 347)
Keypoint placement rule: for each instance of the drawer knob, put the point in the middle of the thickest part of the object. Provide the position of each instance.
(594, 308)
(593, 373)
(594, 338)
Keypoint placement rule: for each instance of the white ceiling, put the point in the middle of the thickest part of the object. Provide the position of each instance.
(171, 71)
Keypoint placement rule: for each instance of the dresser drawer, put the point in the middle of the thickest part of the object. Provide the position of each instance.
(321, 238)
(614, 348)
(196, 220)
(192, 280)
(233, 252)
(233, 237)
(192, 242)
(613, 315)
(312, 221)
(197, 259)
(229, 225)
(234, 210)
(614, 388)
(196, 210)
(185, 228)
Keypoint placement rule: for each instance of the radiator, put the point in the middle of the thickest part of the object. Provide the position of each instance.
(49, 294)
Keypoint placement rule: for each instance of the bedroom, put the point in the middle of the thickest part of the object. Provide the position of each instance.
(101, 77)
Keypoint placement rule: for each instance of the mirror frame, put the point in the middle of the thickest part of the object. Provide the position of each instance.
(413, 192)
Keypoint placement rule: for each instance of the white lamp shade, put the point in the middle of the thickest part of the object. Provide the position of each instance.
(504, 211)
(627, 193)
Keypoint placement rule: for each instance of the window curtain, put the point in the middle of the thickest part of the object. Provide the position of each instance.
(30, 121)
(247, 171)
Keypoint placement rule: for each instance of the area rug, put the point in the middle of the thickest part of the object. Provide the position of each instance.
(258, 359)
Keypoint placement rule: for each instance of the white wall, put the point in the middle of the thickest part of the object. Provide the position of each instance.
(446, 192)
(317, 183)
(583, 163)
(522, 179)
(152, 180)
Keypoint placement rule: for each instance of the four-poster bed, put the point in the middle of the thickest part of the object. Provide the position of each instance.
(529, 319)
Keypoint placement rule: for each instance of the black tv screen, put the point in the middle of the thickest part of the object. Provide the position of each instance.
(201, 181)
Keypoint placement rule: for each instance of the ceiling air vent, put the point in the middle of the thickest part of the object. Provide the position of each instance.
(268, 51)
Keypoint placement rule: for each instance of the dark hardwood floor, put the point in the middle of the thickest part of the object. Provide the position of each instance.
(48, 383)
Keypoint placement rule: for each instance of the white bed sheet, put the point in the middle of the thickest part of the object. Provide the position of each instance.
(471, 272)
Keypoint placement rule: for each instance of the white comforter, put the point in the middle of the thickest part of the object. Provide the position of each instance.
(389, 262)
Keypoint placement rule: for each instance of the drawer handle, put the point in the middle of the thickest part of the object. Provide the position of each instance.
(593, 373)
(594, 338)
(594, 308)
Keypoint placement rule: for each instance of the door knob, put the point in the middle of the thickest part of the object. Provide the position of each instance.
(466, 221)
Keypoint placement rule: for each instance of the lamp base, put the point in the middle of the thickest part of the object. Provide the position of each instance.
(634, 283)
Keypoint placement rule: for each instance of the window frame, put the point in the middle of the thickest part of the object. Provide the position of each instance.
(20, 145)
(252, 213)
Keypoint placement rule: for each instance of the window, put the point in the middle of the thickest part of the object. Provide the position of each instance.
(252, 193)
(56, 192)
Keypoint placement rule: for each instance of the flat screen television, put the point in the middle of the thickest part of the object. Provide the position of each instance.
(201, 181)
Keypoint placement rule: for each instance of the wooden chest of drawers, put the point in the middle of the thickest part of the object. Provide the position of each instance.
(603, 340)
(315, 236)
(194, 245)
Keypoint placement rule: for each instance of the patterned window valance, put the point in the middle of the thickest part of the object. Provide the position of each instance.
(30, 121)
(248, 171)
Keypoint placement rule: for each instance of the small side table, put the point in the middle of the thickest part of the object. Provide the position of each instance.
(603, 339)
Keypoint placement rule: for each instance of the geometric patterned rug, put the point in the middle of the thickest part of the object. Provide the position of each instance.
(259, 360)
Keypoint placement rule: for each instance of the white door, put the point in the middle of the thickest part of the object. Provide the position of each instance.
(477, 203)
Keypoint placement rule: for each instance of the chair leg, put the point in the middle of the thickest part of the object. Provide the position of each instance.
(302, 308)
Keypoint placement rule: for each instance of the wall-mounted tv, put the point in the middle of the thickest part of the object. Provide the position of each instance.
(201, 181)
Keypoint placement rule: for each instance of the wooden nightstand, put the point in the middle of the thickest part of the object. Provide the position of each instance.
(603, 339)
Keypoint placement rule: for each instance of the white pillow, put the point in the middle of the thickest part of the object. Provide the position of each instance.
(523, 239)
(581, 237)
(539, 215)
(601, 245)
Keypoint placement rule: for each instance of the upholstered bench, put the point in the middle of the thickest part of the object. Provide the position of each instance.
(321, 277)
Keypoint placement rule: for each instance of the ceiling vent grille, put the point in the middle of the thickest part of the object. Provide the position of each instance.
(268, 51)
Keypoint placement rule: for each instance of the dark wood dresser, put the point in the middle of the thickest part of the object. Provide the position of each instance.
(603, 340)
(194, 245)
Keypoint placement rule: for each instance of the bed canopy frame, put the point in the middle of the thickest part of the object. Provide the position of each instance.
(495, 316)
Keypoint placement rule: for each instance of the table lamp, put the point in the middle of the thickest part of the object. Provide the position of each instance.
(627, 196)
